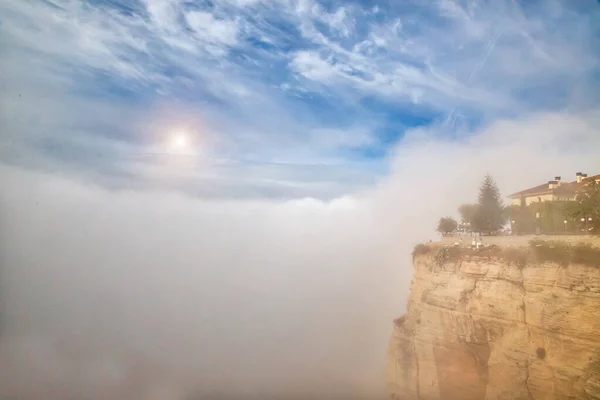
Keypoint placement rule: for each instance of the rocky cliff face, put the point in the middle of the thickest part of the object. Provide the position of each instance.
(484, 328)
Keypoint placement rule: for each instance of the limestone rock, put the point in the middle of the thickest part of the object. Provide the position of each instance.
(480, 329)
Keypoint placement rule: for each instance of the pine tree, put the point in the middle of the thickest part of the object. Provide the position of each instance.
(490, 216)
(467, 213)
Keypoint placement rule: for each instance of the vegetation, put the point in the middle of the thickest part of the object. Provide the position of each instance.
(559, 217)
(538, 251)
(586, 207)
(546, 217)
(447, 225)
(421, 250)
(467, 213)
(447, 254)
(489, 217)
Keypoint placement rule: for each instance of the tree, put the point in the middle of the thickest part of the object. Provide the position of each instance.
(467, 213)
(447, 225)
(490, 215)
(586, 206)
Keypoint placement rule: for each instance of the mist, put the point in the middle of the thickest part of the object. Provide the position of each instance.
(154, 294)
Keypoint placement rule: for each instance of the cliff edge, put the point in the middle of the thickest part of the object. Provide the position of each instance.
(499, 323)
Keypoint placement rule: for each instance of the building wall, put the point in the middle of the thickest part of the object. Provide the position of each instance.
(545, 197)
(535, 199)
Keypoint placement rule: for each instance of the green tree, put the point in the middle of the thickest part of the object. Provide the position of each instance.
(467, 213)
(447, 225)
(490, 215)
(586, 206)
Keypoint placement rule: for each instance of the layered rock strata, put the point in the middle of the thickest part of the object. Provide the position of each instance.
(484, 328)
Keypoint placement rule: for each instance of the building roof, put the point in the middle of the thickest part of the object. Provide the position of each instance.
(565, 189)
(536, 190)
(595, 177)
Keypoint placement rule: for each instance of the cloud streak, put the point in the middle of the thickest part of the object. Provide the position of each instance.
(87, 76)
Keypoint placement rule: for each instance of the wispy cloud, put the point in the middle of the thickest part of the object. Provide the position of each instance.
(280, 81)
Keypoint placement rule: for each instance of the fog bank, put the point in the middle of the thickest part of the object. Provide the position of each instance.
(159, 295)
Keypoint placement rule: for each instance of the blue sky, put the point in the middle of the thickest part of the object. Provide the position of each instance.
(287, 98)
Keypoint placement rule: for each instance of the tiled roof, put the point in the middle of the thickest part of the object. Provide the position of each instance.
(565, 188)
(540, 189)
(595, 177)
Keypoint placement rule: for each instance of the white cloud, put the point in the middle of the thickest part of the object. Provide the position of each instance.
(91, 75)
(214, 30)
(479, 59)
(340, 22)
(482, 58)
(245, 3)
(133, 294)
(164, 13)
(312, 66)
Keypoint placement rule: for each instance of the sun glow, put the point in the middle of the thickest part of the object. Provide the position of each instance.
(179, 141)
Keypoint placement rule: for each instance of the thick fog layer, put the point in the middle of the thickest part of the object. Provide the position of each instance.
(155, 295)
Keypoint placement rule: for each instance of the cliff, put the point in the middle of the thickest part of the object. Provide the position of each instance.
(499, 324)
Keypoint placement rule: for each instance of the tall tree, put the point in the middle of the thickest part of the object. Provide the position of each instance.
(447, 225)
(490, 215)
(467, 213)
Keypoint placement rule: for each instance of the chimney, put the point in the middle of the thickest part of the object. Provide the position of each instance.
(552, 184)
(557, 179)
(579, 177)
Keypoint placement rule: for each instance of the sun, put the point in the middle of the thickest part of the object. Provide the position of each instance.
(179, 141)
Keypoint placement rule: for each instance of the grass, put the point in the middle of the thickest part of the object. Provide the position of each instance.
(538, 252)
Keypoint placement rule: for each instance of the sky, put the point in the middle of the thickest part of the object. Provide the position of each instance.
(281, 99)
(218, 199)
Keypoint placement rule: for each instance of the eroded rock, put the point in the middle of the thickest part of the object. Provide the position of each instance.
(479, 329)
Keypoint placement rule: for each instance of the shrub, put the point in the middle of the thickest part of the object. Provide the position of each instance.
(564, 253)
(539, 251)
(586, 254)
(420, 250)
(445, 254)
(551, 251)
(489, 251)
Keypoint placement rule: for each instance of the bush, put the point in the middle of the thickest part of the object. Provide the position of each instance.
(445, 254)
(515, 255)
(564, 253)
(551, 251)
(586, 254)
(539, 251)
(420, 250)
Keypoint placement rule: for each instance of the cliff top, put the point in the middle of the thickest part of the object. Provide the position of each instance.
(523, 240)
(533, 251)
